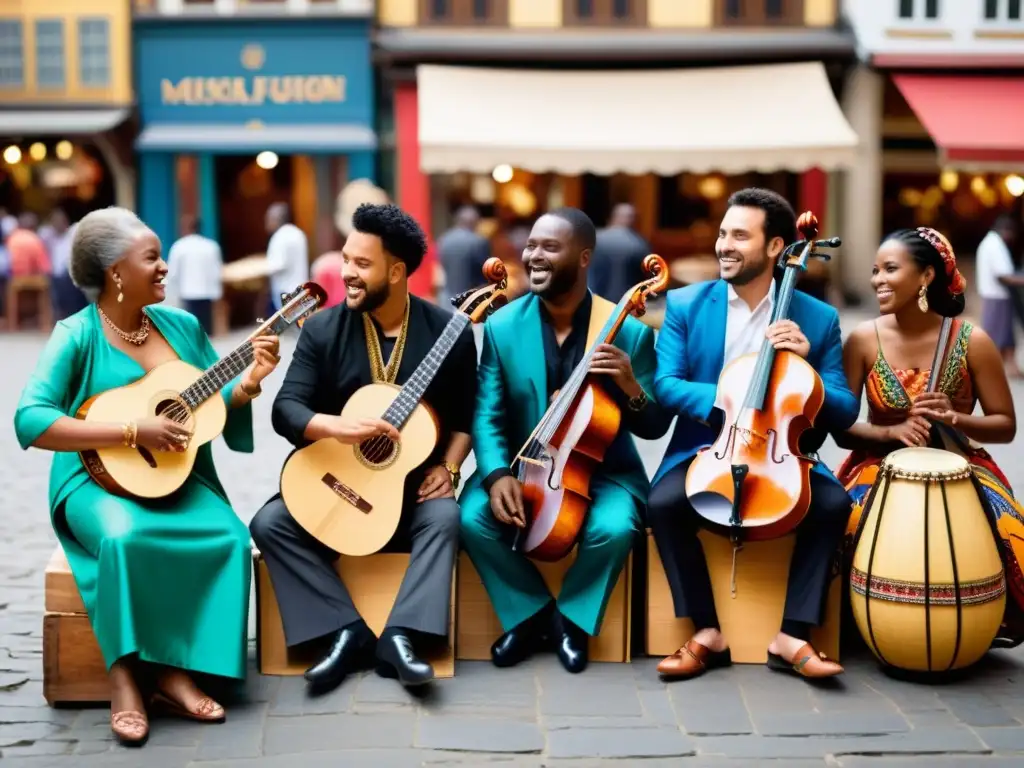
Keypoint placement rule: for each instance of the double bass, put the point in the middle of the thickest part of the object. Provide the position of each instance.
(753, 481)
(569, 443)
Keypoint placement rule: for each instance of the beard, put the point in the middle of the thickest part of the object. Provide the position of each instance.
(373, 298)
(750, 271)
(561, 283)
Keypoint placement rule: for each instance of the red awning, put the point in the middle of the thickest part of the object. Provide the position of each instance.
(972, 119)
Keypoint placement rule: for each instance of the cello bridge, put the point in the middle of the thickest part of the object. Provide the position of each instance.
(750, 436)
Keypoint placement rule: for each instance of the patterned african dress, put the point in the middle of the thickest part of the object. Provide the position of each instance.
(890, 393)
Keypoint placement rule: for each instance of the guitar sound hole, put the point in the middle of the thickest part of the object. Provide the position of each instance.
(378, 451)
(173, 410)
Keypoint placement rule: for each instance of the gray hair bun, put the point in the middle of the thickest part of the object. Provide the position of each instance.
(101, 240)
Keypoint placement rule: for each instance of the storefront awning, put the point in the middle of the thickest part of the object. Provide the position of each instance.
(172, 137)
(731, 120)
(974, 120)
(53, 122)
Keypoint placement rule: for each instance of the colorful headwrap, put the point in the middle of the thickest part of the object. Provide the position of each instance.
(957, 283)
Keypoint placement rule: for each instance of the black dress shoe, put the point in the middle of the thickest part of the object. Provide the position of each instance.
(520, 642)
(572, 645)
(351, 650)
(396, 659)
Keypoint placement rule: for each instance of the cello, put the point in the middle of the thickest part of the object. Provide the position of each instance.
(753, 480)
(569, 442)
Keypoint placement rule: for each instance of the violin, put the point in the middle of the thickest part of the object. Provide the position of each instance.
(569, 443)
(753, 481)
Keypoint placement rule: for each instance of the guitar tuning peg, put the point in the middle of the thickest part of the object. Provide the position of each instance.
(259, 321)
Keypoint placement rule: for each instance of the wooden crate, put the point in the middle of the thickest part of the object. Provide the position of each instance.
(373, 581)
(478, 625)
(751, 619)
(73, 667)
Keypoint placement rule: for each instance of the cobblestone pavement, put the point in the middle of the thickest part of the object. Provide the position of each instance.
(530, 716)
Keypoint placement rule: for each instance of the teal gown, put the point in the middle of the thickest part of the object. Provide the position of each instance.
(165, 579)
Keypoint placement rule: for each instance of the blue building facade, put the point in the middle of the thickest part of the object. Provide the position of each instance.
(285, 86)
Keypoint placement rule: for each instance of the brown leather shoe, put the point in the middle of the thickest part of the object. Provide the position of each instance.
(693, 659)
(807, 662)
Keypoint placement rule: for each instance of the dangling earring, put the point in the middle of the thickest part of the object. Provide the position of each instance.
(120, 295)
(922, 299)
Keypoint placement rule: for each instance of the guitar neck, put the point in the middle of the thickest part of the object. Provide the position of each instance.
(225, 370)
(219, 375)
(412, 391)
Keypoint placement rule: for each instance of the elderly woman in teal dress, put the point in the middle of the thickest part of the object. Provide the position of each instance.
(165, 582)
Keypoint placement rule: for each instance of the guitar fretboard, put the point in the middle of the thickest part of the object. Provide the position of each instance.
(217, 376)
(412, 391)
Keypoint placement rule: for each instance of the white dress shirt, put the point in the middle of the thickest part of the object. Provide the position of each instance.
(287, 261)
(194, 269)
(745, 328)
(993, 260)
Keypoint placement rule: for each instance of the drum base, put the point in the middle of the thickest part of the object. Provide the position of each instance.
(943, 677)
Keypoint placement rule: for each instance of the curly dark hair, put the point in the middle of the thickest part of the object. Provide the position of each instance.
(924, 254)
(583, 230)
(401, 236)
(779, 218)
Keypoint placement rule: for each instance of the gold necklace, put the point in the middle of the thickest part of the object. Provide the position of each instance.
(135, 337)
(377, 369)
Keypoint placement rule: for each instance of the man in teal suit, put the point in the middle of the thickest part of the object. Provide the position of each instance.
(530, 350)
(707, 326)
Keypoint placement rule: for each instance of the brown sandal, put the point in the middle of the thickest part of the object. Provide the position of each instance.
(130, 727)
(806, 662)
(207, 710)
(693, 659)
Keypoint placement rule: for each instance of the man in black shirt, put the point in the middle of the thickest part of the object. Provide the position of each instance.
(564, 320)
(380, 333)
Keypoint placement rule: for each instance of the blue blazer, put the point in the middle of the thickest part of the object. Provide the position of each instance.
(691, 350)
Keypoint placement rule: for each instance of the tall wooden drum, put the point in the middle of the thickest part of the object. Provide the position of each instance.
(927, 550)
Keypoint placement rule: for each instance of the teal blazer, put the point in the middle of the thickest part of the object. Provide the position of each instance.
(512, 395)
(691, 350)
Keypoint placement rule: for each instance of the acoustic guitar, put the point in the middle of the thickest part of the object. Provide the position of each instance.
(349, 497)
(185, 394)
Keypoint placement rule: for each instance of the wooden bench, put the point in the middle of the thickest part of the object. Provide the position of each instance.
(373, 581)
(73, 667)
(478, 625)
(752, 618)
(39, 287)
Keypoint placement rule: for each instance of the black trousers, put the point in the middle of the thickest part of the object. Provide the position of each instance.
(203, 310)
(675, 525)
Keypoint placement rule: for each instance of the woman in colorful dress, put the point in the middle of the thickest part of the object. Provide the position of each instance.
(917, 283)
(165, 582)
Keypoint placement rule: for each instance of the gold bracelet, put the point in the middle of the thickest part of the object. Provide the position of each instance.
(251, 395)
(130, 434)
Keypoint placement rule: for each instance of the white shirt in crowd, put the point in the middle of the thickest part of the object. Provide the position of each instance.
(59, 247)
(992, 261)
(287, 260)
(745, 328)
(194, 269)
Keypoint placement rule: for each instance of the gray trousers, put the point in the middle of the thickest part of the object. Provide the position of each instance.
(314, 601)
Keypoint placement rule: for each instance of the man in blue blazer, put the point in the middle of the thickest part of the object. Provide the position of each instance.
(707, 326)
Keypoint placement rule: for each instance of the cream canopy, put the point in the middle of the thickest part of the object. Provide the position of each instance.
(731, 120)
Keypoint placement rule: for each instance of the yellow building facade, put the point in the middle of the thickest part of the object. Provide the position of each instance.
(65, 94)
(653, 14)
(65, 51)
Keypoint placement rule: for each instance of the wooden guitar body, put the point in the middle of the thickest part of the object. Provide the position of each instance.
(138, 471)
(557, 493)
(775, 493)
(349, 497)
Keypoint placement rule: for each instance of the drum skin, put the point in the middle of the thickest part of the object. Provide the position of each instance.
(938, 588)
